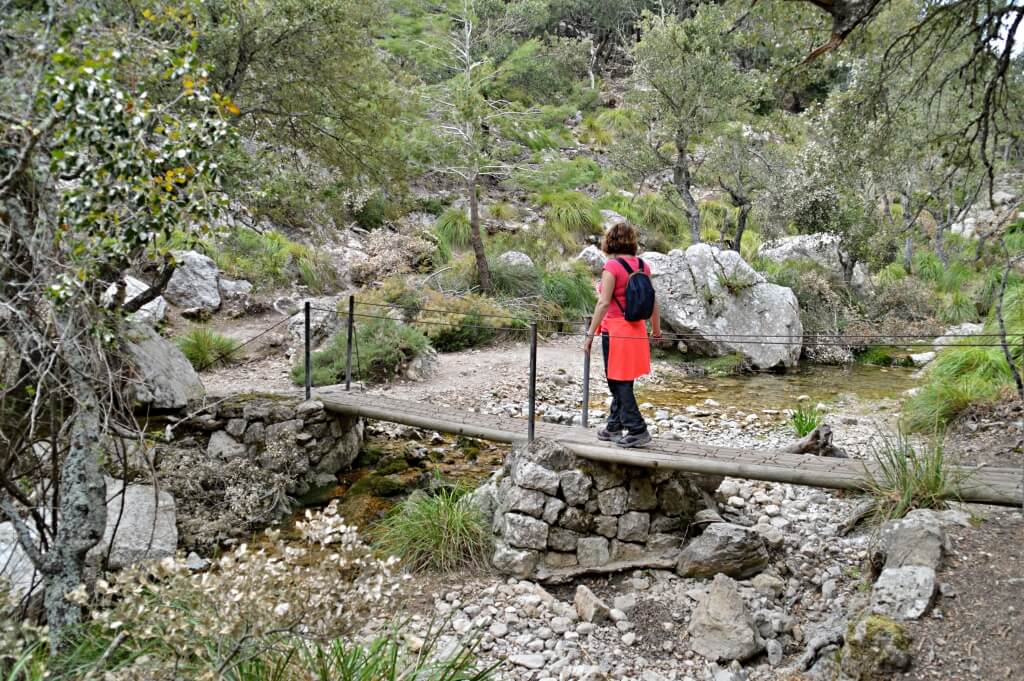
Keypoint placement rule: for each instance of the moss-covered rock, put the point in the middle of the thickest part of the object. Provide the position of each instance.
(876, 648)
(378, 486)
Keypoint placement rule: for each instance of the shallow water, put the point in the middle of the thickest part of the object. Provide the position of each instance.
(781, 390)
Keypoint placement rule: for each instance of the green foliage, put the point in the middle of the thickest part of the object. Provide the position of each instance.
(383, 348)
(503, 210)
(515, 281)
(571, 212)
(729, 365)
(537, 72)
(824, 299)
(957, 307)
(207, 349)
(444, 531)
(560, 175)
(805, 418)
(572, 291)
(927, 266)
(736, 281)
(902, 477)
(270, 259)
(890, 274)
(883, 356)
(716, 218)
(374, 212)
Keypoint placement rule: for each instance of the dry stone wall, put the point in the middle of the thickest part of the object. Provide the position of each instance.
(556, 516)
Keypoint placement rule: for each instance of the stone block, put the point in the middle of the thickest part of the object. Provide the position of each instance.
(592, 551)
(634, 526)
(576, 520)
(589, 607)
(561, 539)
(662, 543)
(554, 559)
(606, 525)
(626, 551)
(613, 501)
(726, 549)
(525, 532)
(236, 427)
(641, 495)
(528, 501)
(517, 562)
(676, 498)
(552, 509)
(663, 523)
(532, 476)
(904, 593)
(721, 627)
(607, 476)
(575, 486)
(224, 447)
(283, 430)
(255, 434)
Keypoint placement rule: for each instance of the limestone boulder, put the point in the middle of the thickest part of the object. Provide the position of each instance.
(610, 218)
(194, 283)
(917, 539)
(516, 259)
(324, 320)
(904, 593)
(161, 376)
(141, 525)
(717, 301)
(593, 258)
(876, 647)
(722, 627)
(16, 568)
(957, 334)
(724, 548)
(823, 249)
(151, 313)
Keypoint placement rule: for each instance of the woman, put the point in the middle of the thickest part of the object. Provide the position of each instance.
(626, 349)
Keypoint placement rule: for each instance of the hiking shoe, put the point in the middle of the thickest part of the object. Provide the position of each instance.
(605, 435)
(634, 440)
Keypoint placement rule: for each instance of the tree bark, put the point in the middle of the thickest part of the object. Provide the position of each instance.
(741, 227)
(683, 182)
(83, 507)
(483, 270)
(908, 253)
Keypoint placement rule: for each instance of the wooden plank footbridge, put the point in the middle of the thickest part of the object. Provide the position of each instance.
(980, 484)
(1003, 486)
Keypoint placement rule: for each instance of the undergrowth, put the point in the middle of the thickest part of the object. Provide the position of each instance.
(805, 418)
(383, 349)
(903, 477)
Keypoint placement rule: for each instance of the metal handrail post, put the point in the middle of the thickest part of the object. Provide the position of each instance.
(586, 378)
(348, 349)
(533, 382)
(309, 353)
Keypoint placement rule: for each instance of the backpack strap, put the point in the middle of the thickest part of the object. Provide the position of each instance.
(629, 273)
(625, 265)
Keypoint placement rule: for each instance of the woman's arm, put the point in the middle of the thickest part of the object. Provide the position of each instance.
(601, 309)
(656, 320)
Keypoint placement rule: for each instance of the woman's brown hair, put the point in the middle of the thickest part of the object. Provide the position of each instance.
(620, 239)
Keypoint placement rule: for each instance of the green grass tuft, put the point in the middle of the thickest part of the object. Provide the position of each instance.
(903, 478)
(444, 531)
(805, 418)
(383, 348)
(207, 349)
(453, 229)
(572, 212)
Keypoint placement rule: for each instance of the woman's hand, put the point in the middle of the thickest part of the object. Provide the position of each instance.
(588, 343)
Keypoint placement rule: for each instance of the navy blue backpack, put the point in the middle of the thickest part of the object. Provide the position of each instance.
(639, 293)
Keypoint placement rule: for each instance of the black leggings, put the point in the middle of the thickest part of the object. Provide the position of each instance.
(624, 413)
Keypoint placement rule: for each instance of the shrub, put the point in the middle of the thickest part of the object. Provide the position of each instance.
(373, 213)
(538, 72)
(383, 349)
(883, 356)
(902, 478)
(890, 274)
(271, 259)
(444, 531)
(515, 281)
(206, 349)
(927, 266)
(956, 308)
(805, 418)
(560, 175)
(908, 299)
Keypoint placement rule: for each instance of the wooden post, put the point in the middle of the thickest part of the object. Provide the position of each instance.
(533, 382)
(586, 378)
(348, 348)
(309, 354)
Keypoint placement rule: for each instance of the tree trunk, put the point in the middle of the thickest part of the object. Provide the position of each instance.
(83, 508)
(476, 240)
(940, 247)
(741, 227)
(908, 253)
(683, 183)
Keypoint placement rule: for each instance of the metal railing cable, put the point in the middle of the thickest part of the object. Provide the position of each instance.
(530, 327)
(737, 337)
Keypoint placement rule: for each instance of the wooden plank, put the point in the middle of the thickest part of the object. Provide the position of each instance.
(982, 484)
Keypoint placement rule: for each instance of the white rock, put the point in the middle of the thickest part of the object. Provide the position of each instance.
(194, 282)
(904, 593)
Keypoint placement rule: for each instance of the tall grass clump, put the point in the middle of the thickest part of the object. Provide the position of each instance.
(269, 259)
(902, 477)
(383, 349)
(572, 212)
(206, 349)
(444, 532)
(572, 291)
(452, 228)
(805, 418)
